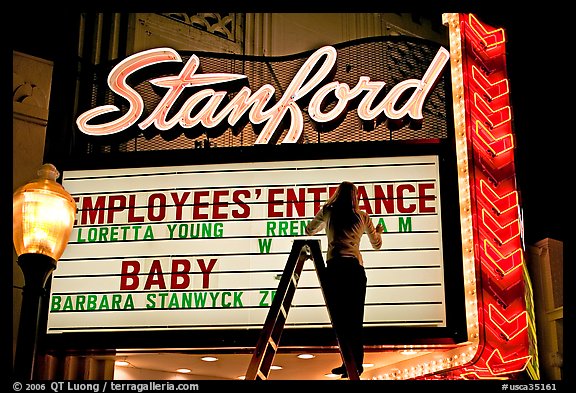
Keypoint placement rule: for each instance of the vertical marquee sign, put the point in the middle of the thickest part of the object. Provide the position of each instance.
(491, 227)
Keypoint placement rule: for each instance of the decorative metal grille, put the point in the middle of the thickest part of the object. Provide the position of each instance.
(220, 24)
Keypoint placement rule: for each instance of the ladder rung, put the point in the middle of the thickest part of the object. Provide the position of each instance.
(273, 344)
(295, 279)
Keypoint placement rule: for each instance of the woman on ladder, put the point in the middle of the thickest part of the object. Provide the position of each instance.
(345, 280)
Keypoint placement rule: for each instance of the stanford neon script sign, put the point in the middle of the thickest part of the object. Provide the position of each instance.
(205, 103)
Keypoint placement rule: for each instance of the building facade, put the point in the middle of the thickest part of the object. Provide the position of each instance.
(273, 50)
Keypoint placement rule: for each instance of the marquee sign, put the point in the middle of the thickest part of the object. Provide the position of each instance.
(209, 108)
(201, 247)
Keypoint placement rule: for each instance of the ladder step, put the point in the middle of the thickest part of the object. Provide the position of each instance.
(273, 344)
(295, 278)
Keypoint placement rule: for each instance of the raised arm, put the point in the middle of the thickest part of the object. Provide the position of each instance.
(374, 233)
(316, 224)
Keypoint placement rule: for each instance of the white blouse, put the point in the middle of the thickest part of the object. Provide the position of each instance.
(345, 241)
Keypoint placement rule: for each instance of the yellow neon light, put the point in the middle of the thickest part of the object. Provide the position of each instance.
(505, 138)
(505, 112)
(516, 231)
(510, 256)
(492, 309)
(494, 196)
(482, 32)
(501, 86)
(523, 359)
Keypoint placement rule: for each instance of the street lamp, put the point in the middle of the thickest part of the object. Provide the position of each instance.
(43, 217)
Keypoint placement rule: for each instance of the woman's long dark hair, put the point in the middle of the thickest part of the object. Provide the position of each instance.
(343, 205)
(345, 197)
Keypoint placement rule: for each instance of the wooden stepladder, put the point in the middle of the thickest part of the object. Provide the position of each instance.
(269, 340)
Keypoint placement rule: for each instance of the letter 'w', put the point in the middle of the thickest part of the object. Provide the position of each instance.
(264, 245)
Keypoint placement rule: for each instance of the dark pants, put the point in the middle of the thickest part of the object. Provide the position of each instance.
(345, 290)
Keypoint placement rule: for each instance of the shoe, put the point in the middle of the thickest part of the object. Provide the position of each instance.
(339, 370)
(342, 371)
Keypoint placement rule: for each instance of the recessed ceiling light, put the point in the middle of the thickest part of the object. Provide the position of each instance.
(241, 377)
(408, 352)
(183, 370)
(209, 358)
(367, 365)
(306, 356)
(121, 363)
(275, 367)
(330, 375)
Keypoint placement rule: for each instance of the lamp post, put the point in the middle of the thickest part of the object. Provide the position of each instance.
(43, 217)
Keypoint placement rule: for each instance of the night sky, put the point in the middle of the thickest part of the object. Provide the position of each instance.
(538, 157)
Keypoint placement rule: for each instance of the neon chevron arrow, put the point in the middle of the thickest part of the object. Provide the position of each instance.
(495, 117)
(509, 327)
(504, 263)
(496, 145)
(503, 234)
(495, 362)
(501, 203)
(493, 90)
(490, 38)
